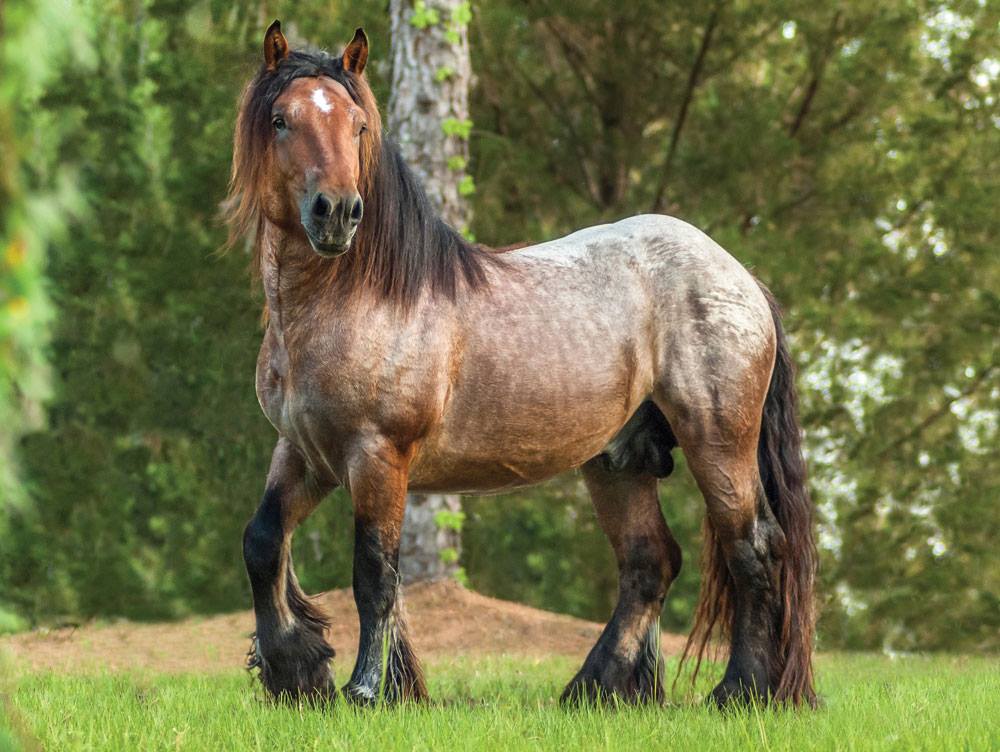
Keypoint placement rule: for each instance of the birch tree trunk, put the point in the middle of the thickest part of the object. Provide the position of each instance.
(428, 115)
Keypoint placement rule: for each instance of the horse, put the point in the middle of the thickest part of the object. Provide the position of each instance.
(399, 356)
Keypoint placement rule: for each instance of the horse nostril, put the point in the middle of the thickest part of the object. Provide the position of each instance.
(357, 210)
(321, 206)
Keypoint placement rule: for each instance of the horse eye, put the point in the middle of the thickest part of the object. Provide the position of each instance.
(278, 122)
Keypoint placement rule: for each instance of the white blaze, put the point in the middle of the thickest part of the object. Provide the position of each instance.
(319, 99)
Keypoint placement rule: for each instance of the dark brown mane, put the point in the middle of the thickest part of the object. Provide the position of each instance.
(402, 246)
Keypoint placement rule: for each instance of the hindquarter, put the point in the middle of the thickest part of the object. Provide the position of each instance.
(717, 334)
(719, 344)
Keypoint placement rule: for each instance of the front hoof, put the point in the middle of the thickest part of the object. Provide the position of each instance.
(294, 671)
(590, 690)
(584, 691)
(315, 689)
(360, 695)
(632, 685)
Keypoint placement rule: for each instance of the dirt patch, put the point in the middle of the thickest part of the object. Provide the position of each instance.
(445, 620)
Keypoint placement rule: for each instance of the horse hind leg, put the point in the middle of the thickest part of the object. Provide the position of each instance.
(626, 661)
(743, 449)
(288, 647)
(741, 585)
(734, 413)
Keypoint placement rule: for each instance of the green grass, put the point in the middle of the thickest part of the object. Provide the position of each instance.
(871, 702)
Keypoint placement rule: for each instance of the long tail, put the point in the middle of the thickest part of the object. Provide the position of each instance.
(783, 476)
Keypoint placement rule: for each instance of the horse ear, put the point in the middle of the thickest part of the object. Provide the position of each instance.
(275, 46)
(356, 53)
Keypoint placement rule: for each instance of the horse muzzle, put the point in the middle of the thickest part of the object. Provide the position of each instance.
(331, 221)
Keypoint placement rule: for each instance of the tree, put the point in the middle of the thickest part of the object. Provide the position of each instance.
(153, 338)
(429, 118)
(34, 205)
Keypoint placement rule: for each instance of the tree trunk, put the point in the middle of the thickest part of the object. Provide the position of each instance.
(429, 103)
(428, 116)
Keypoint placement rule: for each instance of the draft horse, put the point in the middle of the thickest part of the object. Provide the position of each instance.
(398, 356)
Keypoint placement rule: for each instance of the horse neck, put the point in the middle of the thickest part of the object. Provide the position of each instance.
(294, 277)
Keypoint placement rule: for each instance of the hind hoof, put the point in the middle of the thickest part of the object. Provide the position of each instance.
(735, 694)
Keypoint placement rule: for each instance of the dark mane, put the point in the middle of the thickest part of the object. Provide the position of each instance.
(402, 246)
(406, 247)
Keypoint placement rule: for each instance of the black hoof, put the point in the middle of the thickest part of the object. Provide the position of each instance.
(593, 691)
(607, 676)
(295, 669)
(734, 695)
(585, 691)
(360, 695)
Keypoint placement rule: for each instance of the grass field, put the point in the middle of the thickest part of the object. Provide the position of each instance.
(870, 702)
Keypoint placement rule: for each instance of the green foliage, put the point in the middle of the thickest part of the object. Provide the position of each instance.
(33, 207)
(424, 16)
(466, 186)
(457, 127)
(449, 520)
(10, 622)
(461, 15)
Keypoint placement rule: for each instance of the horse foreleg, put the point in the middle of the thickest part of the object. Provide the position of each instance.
(288, 646)
(378, 492)
(626, 661)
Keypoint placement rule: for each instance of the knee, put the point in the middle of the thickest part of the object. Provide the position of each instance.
(262, 539)
(649, 569)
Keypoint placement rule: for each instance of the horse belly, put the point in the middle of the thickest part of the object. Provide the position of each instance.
(493, 458)
(532, 402)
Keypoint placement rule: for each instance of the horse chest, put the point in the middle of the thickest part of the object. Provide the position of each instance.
(332, 396)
